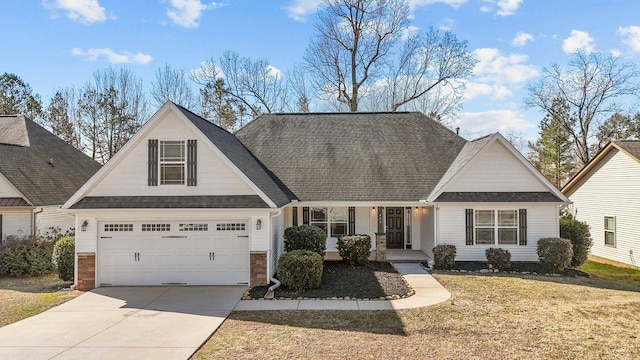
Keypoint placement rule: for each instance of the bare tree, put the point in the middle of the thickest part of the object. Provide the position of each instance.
(589, 86)
(172, 85)
(63, 116)
(298, 85)
(353, 37)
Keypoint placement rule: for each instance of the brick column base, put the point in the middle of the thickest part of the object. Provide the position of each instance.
(258, 269)
(381, 247)
(86, 271)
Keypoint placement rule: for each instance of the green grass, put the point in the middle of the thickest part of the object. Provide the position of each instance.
(624, 275)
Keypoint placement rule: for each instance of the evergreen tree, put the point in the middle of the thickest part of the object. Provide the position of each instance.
(16, 97)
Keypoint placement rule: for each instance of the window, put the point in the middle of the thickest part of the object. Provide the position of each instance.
(156, 227)
(172, 162)
(230, 226)
(335, 219)
(194, 227)
(118, 227)
(318, 217)
(610, 231)
(496, 227)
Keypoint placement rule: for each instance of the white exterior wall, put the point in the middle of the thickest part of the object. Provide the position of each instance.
(129, 177)
(542, 221)
(612, 188)
(427, 236)
(15, 222)
(496, 170)
(7, 189)
(277, 242)
(53, 216)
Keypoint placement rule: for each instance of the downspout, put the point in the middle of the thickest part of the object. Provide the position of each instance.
(33, 220)
(270, 292)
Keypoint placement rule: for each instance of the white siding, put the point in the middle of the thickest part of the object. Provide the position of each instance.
(16, 223)
(7, 189)
(542, 221)
(277, 242)
(496, 170)
(53, 216)
(129, 177)
(427, 236)
(612, 188)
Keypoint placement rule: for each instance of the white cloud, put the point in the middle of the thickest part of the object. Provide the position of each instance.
(112, 56)
(447, 24)
(495, 91)
(632, 36)
(298, 10)
(495, 67)
(505, 7)
(186, 13)
(493, 120)
(84, 11)
(274, 72)
(615, 53)
(453, 3)
(578, 40)
(521, 39)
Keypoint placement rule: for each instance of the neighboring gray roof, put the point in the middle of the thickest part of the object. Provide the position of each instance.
(398, 156)
(243, 159)
(630, 146)
(171, 202)
(537, 196)
(45, 169)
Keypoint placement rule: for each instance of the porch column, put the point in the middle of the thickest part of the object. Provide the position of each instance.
(381, 236)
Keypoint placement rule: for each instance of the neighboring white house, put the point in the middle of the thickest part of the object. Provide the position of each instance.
(187, 202)
(606, 195)
(38, 173)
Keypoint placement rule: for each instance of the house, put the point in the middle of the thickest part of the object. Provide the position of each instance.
(38, 173)
(186, 202)
(606, 195)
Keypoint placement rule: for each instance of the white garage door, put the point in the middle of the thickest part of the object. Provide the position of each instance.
(173, 252)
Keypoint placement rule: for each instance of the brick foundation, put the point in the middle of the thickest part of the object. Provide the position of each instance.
(86, 271)
(381, 247)
(258, 268)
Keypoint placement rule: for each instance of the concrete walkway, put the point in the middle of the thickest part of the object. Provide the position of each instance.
(123, 323)
(428, 292)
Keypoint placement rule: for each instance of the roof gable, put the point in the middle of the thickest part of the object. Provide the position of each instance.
(45, 169)
(398, 156)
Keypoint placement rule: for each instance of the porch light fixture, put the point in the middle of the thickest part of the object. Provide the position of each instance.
(258, 224)
(84, 225)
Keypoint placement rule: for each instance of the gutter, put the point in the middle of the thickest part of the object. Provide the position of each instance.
(33, 220)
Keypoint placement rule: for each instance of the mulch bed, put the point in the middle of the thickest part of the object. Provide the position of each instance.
(526, 267)
(342, 281)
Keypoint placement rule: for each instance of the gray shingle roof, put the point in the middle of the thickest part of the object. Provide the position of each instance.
(243, 159)
(630, 146)
(45, 169)
(171, 202)
(536, 196)
(354, 156)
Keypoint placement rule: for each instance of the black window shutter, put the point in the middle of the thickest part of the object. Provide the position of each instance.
(522, 222)
(295, 216)
(352, 220)
(469, 221)
(153, 163)
(305, 215)
(192, 160)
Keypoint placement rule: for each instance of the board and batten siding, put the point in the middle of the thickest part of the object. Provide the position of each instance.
(496, 169)
(612, 188)
(542, 221)
(129, 178)
(16, 223)
(54, 217)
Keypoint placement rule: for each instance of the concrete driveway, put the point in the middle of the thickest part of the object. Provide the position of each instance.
(123, 323)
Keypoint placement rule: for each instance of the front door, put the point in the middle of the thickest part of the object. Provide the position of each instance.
(395, 228)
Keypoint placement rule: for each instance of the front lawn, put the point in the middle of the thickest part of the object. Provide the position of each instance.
(489, 316)
(625, 275)
(23, 297)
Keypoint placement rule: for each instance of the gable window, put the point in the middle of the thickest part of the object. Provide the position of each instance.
(610, 231)
(496, 227)
(172, 162)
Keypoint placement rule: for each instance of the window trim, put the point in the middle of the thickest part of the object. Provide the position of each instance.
(182, 163)
(330, 220)
(496, 226)
(613, 232)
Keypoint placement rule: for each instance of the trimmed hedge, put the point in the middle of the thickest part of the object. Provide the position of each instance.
(63, 256)
(444, 256)
(305, 237)
(300, 270)
(25, 256)
(355, 249)
(578, 233)
(498, 258)
(555, 254)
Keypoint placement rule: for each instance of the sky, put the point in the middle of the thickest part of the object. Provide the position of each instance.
(54, 44)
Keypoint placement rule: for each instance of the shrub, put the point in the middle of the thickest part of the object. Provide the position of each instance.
(305, 237)
(578, 233)
(63, 256)
(444, 256)
(498, 258)
(25, 256)
(300, 270)
(355, 249)
(555, 254)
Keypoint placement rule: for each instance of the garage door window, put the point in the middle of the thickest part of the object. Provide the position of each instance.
(118, 227)
(230, 226)
(193, 227)
(156, 227)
